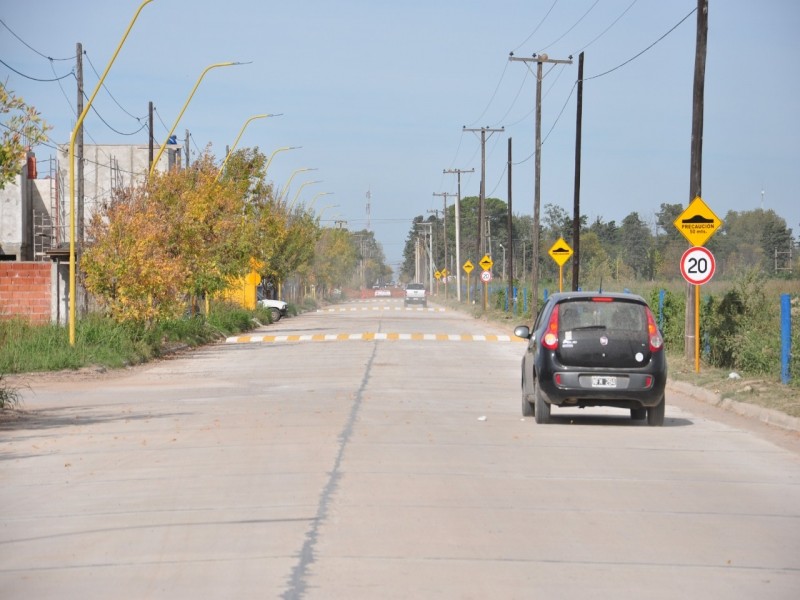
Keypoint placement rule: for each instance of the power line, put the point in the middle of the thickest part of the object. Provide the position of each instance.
(624, 12)
(691, 12)
(105, 87)
(21, 74)
(544, 18)
(563, 35)
(27, 45)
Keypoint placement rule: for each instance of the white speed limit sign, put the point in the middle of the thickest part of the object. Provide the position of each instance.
(697, 265)
(486, 276)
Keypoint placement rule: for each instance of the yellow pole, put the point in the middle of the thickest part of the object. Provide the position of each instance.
(560, 278)
(189, 99)
(295, 172)
(71, 155)
(297, 195)
(696, 328)
(274, 152)
(238, 137)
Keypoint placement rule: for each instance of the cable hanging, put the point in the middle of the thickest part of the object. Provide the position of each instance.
(678, 24)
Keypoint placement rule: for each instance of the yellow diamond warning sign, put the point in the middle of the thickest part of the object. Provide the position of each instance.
(698, 222)
(560, 252)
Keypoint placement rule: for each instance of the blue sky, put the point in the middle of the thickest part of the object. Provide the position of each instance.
(377, 93)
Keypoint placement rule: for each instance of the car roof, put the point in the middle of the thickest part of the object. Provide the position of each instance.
(562, 296)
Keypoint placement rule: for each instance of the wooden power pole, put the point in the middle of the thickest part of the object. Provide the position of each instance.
(696, 169)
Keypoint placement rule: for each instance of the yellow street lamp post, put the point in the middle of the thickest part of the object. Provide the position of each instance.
(297, 195)
(71, 155)
(274, 152)
(295, 172)
(189, 99)
(314, 199)
(238, 137)
(324, 208)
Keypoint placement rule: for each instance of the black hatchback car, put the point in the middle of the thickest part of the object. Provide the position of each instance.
(594, 349)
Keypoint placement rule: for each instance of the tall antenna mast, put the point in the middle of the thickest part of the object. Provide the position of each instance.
(369, 197)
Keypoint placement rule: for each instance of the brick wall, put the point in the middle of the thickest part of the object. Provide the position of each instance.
(25, 290)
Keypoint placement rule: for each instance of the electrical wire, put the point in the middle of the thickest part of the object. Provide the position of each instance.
(544, 18)
(563, 35)
(105, 87)
(624, 12)
(488, 104)
(21, 74)
(678, 24)
(27, 45)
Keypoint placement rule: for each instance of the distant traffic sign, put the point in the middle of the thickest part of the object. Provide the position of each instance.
(468, 266)
(698, 265)
(486, 276)
(486, 263)
(560, 251)
(697, 223)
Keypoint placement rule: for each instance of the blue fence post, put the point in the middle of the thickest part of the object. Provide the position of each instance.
(661, 295)
(524, 299)
(516, 304)
(786, 336)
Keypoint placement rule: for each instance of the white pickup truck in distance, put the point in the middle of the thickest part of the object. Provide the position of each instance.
(415, 294)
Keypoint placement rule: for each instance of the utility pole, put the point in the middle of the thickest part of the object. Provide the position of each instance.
(186, 148)
(444, 234)
(481, 206)
(458, 228)
(510, 241)
(539, 60)
(692, 327)
(576, 208)
(150, 152)
(79, 148)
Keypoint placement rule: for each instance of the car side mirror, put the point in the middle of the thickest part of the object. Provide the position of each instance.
(522, 331)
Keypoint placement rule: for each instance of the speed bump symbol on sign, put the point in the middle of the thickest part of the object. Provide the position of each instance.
(697, 223)
(560, 251)
(486, 262)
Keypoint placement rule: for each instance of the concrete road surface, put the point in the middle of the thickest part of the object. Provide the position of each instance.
(375, 452)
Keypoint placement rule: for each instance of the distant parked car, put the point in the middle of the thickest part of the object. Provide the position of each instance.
(277, 308)
(594, 349)
(416, 294)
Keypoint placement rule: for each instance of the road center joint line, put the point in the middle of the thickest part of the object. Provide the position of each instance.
(371, 337)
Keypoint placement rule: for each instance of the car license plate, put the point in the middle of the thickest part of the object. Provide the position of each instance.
(604, 382)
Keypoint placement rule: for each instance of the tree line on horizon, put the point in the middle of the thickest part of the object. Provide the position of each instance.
(633, 249)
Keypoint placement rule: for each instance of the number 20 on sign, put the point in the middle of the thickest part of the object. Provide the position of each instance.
(697, 265)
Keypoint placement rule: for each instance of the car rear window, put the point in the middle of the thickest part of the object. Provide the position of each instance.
(415, 286)
(603, 332)
(616, 315)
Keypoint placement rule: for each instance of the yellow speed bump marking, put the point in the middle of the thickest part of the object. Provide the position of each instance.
(372, 336)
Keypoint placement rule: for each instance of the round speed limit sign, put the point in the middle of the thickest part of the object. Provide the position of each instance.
(697, 265)
(486, 276)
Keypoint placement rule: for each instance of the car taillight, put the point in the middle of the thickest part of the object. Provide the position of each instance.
(653, 334)
(550, 338)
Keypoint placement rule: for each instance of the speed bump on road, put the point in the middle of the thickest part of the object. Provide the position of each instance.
(365, 308)
(370, 337)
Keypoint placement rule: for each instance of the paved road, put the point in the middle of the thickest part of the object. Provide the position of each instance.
(379, 462)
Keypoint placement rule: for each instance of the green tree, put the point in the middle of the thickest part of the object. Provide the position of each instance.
(22, 129)
(635, 246)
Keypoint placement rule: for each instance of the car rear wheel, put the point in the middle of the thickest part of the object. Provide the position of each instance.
(275, 314)
(655, 414)
(638, 414)
(542, 411)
